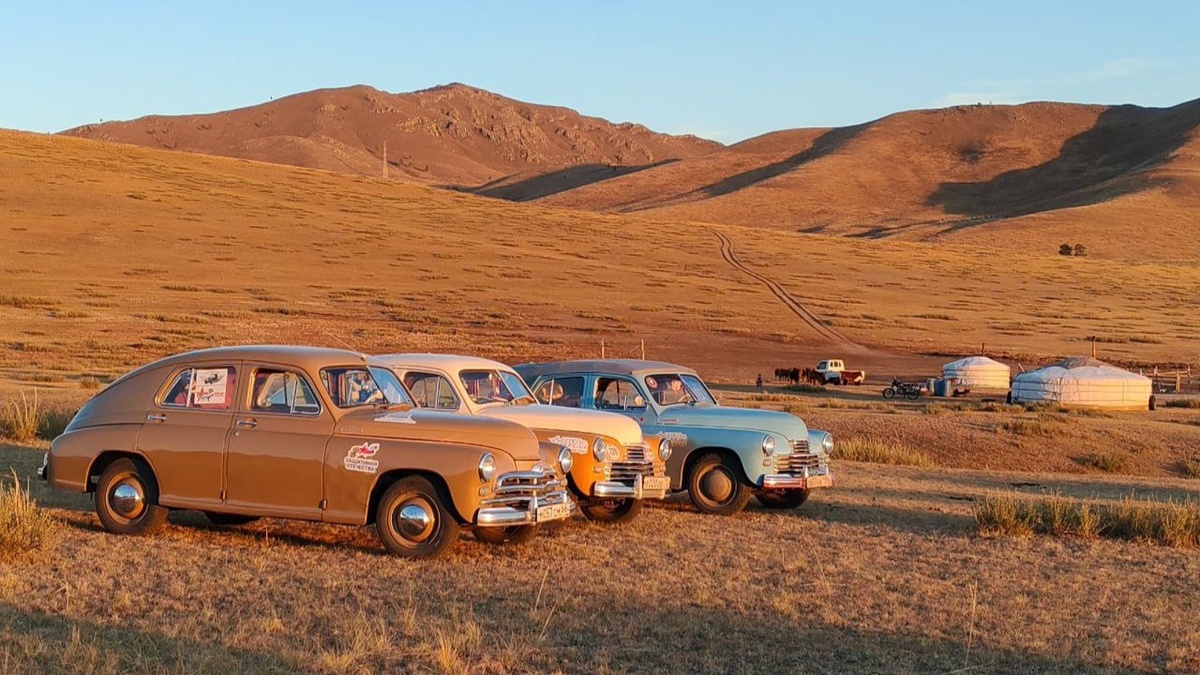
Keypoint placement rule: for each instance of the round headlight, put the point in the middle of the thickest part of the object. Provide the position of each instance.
(827, 443)
(487, 467)
(598, 449)
(664, 449)
(768, 446)
(565, 460)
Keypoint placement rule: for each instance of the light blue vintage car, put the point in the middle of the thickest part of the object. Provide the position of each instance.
(721, 455)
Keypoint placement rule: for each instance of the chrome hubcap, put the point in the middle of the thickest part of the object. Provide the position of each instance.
(414, 521)
(127, 499)
(717, 485)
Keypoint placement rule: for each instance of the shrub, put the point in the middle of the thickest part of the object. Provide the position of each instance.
(1079, 251)
(25, 529)
(880, 452)
(52, 422)
(19, 419)
(1065, 249)
(1046, 428)
(1182, 403)
(1168, 523)
(1111, 462)
(1191, 467)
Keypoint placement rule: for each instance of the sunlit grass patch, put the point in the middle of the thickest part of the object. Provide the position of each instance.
(25, 530)
(1168, 523)
(880, 452)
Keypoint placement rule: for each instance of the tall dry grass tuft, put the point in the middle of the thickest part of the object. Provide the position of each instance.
(25, 530)
(53, 421)
(1109, 462)
(880, 452)
(1167, 523)
(1191, 467)
(19, 419)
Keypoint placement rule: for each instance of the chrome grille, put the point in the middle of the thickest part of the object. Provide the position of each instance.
(802, 461)
(518, 488)
(635, 465)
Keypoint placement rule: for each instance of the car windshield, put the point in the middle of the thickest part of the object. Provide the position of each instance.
(360, 386)
(495, 386)
(674, 389)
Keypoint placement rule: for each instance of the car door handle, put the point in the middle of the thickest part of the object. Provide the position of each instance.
(247, 423)
(156, 418)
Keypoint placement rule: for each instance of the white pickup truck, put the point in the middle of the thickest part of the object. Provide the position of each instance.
(834, 371)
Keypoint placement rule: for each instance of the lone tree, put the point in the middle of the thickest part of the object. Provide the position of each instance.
(1065, 249)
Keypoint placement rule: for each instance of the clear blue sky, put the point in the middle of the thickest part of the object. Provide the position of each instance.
(721, 69)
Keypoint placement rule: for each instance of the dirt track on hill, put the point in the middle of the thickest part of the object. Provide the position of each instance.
(795, 306)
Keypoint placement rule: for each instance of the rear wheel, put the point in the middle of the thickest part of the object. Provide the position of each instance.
(715, 486)
(513, 534)
(412, 520)
(127, 498)
(781, 499)
(611, 510)
(912, 394)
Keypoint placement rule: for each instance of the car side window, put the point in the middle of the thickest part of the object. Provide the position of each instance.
(431, 391)
(616, 393)
(282, 391)
(209, 388)
(562, 391)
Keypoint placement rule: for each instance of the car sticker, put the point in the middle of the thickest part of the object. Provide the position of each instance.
(577, 446)
(208, 386)
(359, 458)
(396, 418)
(668, 420)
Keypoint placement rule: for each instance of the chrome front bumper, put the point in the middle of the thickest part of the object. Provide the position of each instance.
(785, 481)
(525, 498)
(610, 489)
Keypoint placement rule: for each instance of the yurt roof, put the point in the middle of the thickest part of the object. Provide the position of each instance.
(1082, 367)
(976, 361)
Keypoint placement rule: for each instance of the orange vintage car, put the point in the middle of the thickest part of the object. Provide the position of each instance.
(305, 433)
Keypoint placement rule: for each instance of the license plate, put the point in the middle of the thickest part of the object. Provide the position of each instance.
(553, 512)
(656, 483)
(819, 481)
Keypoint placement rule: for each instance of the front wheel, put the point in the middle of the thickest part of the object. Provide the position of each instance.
(412, 521)
(611, 510)
(715, 486)
(513, 534)
(782, 499)
(889, 393)
(127, 498)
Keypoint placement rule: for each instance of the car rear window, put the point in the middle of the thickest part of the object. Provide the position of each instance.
(208, 388)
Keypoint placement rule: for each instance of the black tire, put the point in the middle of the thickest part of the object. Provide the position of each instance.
(912, 394)
(513, 534)
(126, 498)
(228, 519)
(612, 511)
(782, 499)
(1153, 402)
(715, 486)
(889, 393)
(427, 530)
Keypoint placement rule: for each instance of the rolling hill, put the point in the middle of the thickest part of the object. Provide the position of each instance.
(448, 135)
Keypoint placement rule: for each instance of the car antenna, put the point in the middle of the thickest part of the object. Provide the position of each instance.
(361, 354)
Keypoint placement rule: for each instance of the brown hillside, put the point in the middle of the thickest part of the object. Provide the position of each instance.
(941, 172)
(455, 135)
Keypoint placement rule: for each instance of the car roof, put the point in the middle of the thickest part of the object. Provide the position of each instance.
(309, 358)
(445, 362)
(612, 366)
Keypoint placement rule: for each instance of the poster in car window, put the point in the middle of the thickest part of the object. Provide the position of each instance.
(208, 386)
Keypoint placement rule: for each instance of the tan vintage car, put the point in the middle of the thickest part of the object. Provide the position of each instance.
(305, 433)
(615, 467)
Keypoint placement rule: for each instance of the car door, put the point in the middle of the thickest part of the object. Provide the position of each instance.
(185, 432)
(276, 451)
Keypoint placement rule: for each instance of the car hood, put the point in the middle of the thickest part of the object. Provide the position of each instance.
(722, 417)
(440, 427)
(557, 418)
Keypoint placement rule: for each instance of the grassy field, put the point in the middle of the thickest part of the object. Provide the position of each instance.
(115, 254)
(885, 573)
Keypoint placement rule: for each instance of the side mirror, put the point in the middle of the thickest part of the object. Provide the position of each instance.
(639, 402)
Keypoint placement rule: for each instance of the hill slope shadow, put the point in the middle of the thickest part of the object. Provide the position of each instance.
(1098, 165)
(547, 184)
(825, 144)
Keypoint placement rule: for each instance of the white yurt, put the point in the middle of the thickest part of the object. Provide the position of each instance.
(1083, 381)
(978, 372)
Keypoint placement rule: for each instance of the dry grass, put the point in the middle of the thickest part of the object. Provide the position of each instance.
(880, 452)
(1169, 523)
(20, 420)
(1111, 462)
(1190, 403)
(26, 531)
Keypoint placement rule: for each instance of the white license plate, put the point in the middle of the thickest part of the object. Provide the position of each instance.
(656, 483)
(819, 481)
(553, 512)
